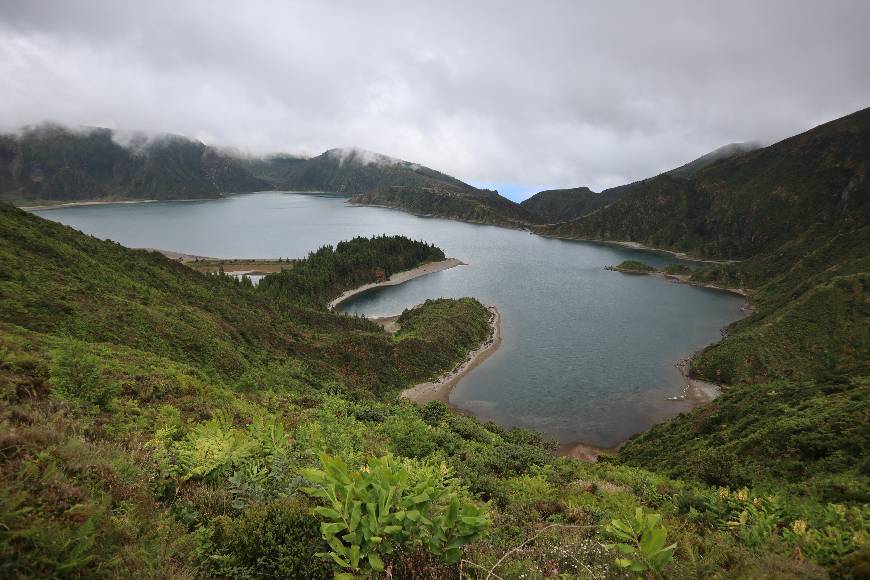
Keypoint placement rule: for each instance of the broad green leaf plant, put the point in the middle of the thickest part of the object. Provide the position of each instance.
(642, 547)
(391, 504)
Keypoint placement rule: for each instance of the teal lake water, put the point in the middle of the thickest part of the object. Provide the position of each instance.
(587, 354)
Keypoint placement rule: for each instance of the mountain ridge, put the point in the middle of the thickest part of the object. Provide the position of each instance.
(558, 205)
(741, 206)
(52, 163)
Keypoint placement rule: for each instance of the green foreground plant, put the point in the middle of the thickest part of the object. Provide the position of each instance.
(643, 543)
(389, 505)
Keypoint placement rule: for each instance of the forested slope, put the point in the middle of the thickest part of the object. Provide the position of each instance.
(749, 204)
(50, 163)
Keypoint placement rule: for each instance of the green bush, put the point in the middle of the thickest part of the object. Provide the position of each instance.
(216, 448)
(78, 375)
(277, 540)
(433, 411)
(642, 544)
(410, 435)
(391, 505)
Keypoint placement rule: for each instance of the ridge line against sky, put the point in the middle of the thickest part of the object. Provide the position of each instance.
(508, 95)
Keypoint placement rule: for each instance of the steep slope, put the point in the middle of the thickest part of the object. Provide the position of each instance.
(797, 212)
(55, 280)
(558, 205)
(53, 163)
(809, 436)
(745, 205)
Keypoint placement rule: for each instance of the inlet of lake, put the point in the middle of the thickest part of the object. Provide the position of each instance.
(587, 354)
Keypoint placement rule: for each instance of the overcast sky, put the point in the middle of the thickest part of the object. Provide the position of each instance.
(519, 95)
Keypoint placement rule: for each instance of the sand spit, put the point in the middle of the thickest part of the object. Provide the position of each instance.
(439, 390)
(400, 278)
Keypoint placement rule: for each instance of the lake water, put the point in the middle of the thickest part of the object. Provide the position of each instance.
(587, 354)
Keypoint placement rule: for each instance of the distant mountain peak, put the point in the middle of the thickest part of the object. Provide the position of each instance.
(359, 156)
(725, 152)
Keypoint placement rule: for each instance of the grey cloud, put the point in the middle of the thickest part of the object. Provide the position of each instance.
(537, 94)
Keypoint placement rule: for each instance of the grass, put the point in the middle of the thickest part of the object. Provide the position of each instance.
(171, 439)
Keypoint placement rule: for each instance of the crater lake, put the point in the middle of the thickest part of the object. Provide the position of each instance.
(587, 355)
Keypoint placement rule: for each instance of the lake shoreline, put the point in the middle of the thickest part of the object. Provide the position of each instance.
(399, 278)
(696, 391)
(440, 389)
(108, 202)
(638, 246)
(680, 279)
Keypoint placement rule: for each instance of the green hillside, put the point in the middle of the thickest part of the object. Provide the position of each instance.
(50, 163)
(560, 205)
(793, 417)
(557, 205)
(749, 204)
(159, 422)
(470, 205)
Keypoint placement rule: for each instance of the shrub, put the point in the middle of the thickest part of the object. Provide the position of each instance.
(211, 449)
(277, 540)
(410, 436)
(390, 505)
(433, 411)
(78, 375)
(642, 544)
(215, 448)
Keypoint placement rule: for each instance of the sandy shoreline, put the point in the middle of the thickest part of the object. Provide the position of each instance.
(400, 278)
(696, 390)
(439, 390)
(584, 452)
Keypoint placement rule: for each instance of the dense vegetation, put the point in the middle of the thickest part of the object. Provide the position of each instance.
(455, 326)
(561, 205)
(147, 446)
(51, 163)
(325, 273)
(794, 417)
(557, 205)
(809, 436)
(748, 204)
(633, 266)
(156, 421)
